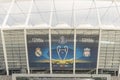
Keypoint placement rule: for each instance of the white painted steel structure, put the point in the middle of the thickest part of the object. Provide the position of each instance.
(51, 13)
(111, 41)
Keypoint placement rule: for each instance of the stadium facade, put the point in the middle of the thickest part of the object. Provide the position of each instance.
(60, 49)
(30, 51)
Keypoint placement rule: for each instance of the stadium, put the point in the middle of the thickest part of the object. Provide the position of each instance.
(59, 39)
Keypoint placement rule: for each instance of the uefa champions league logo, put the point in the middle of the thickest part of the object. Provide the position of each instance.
(62, 40)
(62, 49)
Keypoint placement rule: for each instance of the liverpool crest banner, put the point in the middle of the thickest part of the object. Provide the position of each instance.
(86, 50)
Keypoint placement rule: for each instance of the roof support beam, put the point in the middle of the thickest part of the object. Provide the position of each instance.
(97, 11)
(117, 7)
(8, 13)
(29, 13)
(51, 13)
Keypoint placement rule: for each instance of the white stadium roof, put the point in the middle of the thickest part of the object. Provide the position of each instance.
(57, 13)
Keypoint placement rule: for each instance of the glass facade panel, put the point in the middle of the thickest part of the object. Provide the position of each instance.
(2, 61)
(16, 55)
(109, 49)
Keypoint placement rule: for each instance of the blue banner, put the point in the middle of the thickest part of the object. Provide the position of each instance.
(86, 51)
(38, 51)
(62, 51)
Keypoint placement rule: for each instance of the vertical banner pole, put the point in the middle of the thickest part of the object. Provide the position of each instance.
(74, 64)
(50, 52)
(5, 53)
(74, 50)
(50, 23)
(99, 44)
(26, 49)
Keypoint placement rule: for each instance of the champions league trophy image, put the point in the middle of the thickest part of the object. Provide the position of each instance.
(62, 52)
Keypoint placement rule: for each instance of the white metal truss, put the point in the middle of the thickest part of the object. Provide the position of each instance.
(50, 24)
(27, 19)
(29, 13)
(97, 11)
(8, 13)
(26, 50)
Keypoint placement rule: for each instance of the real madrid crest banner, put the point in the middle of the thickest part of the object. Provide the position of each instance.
(38, 51)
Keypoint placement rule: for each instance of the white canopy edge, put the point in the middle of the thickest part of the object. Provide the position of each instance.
(62, 26)
(76, 0)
